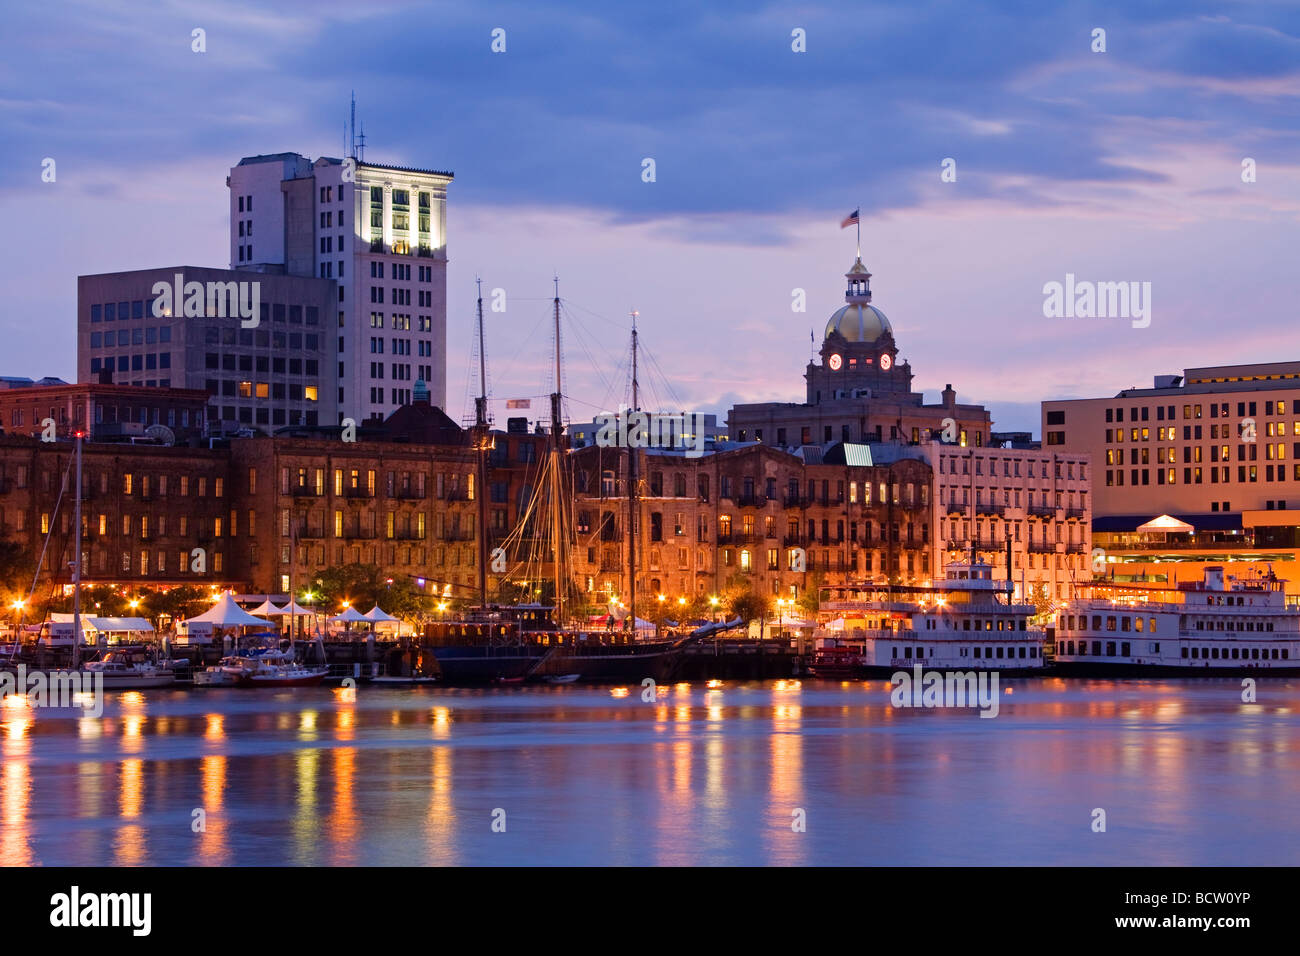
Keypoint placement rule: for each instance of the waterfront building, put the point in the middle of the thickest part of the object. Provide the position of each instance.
(1201, 469)
(749, 515)
(380, 234)
(1040, 500)
(278, 372)
(113, 412)
(145, 511)
(859, 391)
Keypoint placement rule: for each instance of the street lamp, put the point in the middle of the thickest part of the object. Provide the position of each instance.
(713, 602)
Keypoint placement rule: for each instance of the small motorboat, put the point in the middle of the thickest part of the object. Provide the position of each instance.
(120, 671)
(563, 679)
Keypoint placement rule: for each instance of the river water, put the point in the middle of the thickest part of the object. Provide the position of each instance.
(774, 772)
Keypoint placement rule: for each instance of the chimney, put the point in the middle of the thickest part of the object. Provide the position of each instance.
(949, 396)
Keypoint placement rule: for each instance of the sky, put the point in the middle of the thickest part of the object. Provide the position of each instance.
(1123, 164)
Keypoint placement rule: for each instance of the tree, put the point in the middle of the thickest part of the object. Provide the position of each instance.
(748, 605)
(810, 600)
(1042, 602)
(363, 586)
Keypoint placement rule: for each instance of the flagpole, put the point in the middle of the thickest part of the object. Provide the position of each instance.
(859, 225)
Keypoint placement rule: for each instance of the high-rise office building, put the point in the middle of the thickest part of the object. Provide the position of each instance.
(380, 232)
(272, 369)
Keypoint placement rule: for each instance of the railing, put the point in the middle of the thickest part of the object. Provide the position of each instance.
(356, 493)
(792, 540)
(304, 491)
(1042, 547)
(1075, 512)
(1042, 510)
(410, 494)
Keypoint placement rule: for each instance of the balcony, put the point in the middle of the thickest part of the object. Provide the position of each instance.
(1042, 547)
(357, 493)
(1042, 511)
(953, 508)
(792, 501)
(1075, 513)
(457, 534)
(410, 494)
(304, 491)
(989, 508)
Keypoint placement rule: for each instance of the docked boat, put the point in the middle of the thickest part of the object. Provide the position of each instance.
(965, 623)
(124, 670)
(1216, 627)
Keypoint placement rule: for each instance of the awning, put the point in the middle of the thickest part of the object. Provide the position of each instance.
(377, 615)
(350, 616)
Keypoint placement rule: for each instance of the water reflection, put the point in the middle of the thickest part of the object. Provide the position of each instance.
(700, 775)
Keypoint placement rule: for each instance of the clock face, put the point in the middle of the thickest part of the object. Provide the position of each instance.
(886, 362)
(835, 361)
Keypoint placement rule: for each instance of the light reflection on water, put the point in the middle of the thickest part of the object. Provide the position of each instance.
(1186, 772)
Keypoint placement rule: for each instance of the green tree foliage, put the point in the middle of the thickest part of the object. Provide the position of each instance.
(363, 586)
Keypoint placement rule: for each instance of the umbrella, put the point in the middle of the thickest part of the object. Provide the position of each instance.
(377, 615)
(226, 613)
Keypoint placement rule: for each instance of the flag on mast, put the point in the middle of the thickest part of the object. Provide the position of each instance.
(852, 219)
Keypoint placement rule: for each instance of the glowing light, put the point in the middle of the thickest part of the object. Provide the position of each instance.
(618, 692)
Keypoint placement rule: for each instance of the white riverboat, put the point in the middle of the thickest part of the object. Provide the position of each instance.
(967, 622)
(1209, 628)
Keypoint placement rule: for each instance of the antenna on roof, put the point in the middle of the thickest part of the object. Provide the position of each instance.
(352, 135)
(361, 143)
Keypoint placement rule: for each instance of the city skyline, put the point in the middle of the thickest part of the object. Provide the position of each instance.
(1115, 166)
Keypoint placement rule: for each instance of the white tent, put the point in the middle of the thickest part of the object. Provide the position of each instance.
(1166, 523)
(379, 616)
(266, 608)
(226, 613)
(294, 608)
(350, 616)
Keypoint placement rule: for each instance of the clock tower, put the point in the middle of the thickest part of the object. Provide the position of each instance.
(858, 355)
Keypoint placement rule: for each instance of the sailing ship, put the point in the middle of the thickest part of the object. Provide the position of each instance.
(535, 641)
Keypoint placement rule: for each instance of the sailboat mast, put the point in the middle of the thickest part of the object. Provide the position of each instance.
(631, 491)
(481, 443)
(559, 544)
(76, 563)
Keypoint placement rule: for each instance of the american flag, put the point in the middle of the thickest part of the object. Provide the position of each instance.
(851, 219)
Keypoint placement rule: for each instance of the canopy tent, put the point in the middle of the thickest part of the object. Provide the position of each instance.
(350, 616)
(378, 616)
(1166, 523)
(294, 608)
(226, 613)
(266, 608)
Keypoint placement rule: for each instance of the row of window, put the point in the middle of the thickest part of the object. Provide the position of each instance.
(1069, 648)
(1020, 652)
(1195, 476)
(132, 363)
(216, 361)
(1167, 412)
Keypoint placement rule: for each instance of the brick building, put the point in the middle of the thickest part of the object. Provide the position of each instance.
(739, 515)
(115, 412)
(144, 511)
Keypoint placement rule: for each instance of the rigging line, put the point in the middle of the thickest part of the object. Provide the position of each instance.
(581, 333)
(63, 485)
(617, 324)
(508, 366)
